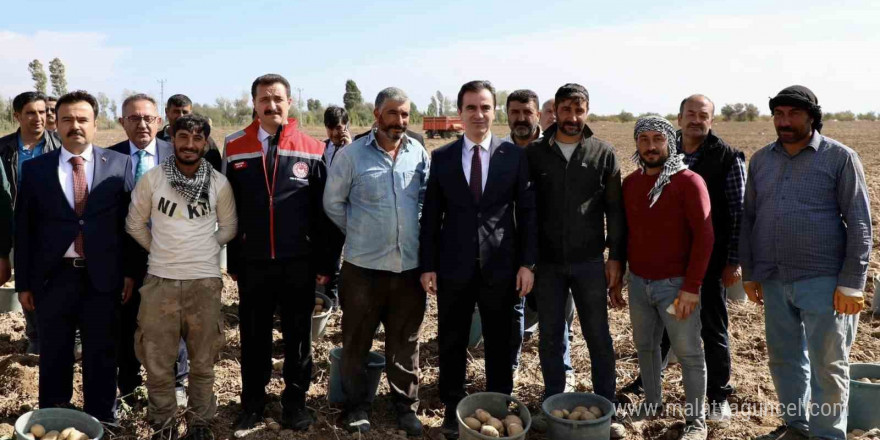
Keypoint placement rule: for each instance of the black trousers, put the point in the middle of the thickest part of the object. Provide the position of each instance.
(263, 286)
(129, 376)
(716, 346)
(69, 300)
(455, 303)
(398, 301)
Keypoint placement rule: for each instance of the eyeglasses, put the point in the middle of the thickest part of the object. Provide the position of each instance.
(135, 119)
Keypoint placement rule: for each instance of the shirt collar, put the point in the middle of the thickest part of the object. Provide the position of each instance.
(262, 135)
(88, 154)
(485, 144)
(150, 148)
(37, 145)
(371, 140)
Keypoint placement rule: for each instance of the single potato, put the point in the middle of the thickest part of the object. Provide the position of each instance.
(473, 423)
(483, 416)
(38, 430)
(557, 413)
(514, 429)
(489, 431)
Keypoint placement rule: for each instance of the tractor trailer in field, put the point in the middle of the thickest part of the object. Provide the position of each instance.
(442, 126)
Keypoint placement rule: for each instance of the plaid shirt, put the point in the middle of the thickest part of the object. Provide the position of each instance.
(806, 215)
(734, 190)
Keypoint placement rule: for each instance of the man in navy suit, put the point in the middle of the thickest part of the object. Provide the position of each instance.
(140, 120)
(478, 245)
(69, 220)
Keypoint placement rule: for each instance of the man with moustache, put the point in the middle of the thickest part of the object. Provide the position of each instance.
(578, 192)
(140, 120)
(806, 242)
(182, 212)
(723, 168)
(69, 220)
(668, 248)
(548, 117)
(374, 195)
(282, 249)
(180, 105)
(30, 140)
(478, 245)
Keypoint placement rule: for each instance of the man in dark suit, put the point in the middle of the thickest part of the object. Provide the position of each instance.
(140, 120)
(478, 245)
(69, 220)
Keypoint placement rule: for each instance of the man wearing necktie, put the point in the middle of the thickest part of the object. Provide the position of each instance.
(69, 219)
(478, 245)
(140, 120)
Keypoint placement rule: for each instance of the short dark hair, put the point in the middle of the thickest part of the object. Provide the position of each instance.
(267, 80)
(192, 123)
(334, 115)
(178, 100)
(524, 96)
(138, 97)
(51, 98)
(475, 86)
(26, 98)
(78, 96)
(573, 91)
(694, 96)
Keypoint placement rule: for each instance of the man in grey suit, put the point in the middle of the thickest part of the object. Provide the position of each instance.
(141, 121)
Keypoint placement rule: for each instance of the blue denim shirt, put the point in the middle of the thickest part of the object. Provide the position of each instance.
(377, 202)
(806, 215)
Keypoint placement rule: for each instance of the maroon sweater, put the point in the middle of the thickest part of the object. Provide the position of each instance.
(674, 237)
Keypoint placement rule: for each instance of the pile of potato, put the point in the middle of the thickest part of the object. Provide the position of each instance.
(38, 431)
(578, 413)
(319, 305)
(868, 380)
(862, 434)
(484, 423)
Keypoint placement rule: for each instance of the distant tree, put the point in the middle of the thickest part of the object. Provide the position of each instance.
(38, 74)
(415, 117)
(625, 116)
(352, 97)
(727, 112)
(432, 107)
(870, 116)
(57, 75)
(751, 112)
(112, 109)
(671, 117)
(104, 107)
(844, 116)
(243, 109)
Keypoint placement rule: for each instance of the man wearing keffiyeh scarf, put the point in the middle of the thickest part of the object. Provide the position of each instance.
(194, 189)
(671, 162)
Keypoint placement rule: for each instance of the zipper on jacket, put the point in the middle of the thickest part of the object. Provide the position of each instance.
(271, 191)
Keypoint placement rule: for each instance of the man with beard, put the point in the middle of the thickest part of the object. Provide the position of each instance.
(282, 249)
(182, 212)
(140, 120)
(806, 243)
(478, 245)
(374, 194)
(548, 117)
(69, 220)
(180, 105)
(669, 244)
(578, 192)
(723, 169)
(30, 140)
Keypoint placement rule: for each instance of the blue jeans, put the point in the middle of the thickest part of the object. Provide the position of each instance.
(525, 322)
(648, 300)
(808, 345)
(587, 284)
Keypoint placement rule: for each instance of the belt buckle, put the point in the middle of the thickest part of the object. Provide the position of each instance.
(79, 263)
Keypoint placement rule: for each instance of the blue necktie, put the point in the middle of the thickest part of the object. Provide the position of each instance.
(141, 168)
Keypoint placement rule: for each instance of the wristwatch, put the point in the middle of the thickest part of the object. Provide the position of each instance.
(531, 267)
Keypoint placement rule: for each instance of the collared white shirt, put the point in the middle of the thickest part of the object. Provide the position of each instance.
(467, 155)
(150, 158)
(65, 176)
(263, 136)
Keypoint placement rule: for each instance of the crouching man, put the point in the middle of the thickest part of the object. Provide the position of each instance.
(174, 214)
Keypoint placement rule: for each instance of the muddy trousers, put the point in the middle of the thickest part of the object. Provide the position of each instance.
(398, 301)
(171, 310)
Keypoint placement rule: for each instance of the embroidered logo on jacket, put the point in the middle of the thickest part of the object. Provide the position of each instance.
(301, 170)
(239, 165)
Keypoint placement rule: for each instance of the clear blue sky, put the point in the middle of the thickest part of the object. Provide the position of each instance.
(634, 55)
